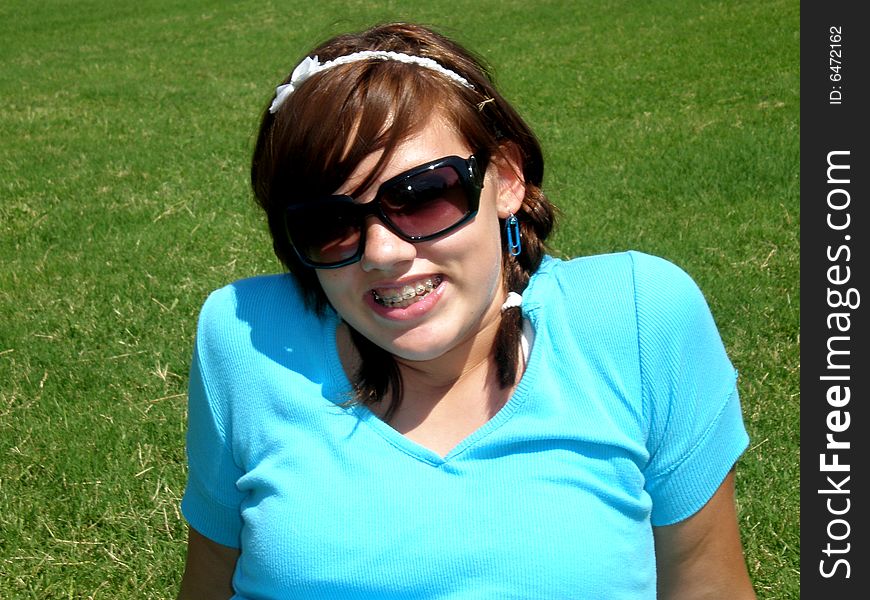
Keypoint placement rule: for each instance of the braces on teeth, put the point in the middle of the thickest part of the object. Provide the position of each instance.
(408, 292)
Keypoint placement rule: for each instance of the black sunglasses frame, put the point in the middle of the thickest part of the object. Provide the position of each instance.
(471, 172)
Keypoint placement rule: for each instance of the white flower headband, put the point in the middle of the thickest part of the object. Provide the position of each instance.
(311, 66)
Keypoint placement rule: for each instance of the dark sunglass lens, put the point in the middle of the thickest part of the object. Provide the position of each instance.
(427, 203)
(324, 234)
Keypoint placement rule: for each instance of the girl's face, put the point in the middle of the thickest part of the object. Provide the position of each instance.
(454, 282)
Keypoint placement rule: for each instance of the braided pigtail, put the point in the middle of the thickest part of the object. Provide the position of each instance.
(536, 216)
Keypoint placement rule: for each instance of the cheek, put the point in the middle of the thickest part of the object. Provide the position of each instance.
(493, 265)
(335, 285)
(488, 235)
(479, 256)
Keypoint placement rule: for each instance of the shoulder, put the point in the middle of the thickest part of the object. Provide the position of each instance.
(255, 294)
(255, 301)
(625, 268)
(632, 279)
(626, 277)
(585, 307)
(261, 313)
(662, 288)
(638, 306)
(576, 281)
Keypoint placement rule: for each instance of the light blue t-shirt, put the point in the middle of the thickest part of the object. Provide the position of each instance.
(627, 416)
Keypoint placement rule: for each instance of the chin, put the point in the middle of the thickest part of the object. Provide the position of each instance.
(416, 355)
(417, 352)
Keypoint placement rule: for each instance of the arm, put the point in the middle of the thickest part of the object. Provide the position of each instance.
(701, 557)
(208, 572)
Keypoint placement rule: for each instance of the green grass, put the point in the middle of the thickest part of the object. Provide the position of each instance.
(669, 127)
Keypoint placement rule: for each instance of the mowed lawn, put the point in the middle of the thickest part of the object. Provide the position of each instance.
(668, 127)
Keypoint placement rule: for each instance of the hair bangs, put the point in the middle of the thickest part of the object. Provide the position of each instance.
(351, 112)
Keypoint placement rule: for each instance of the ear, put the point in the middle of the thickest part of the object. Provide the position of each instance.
(511, 184)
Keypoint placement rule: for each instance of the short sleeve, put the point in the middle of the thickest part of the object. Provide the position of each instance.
(695, 430)
(211, 502)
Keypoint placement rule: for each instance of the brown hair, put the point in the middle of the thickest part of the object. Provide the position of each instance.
(315, 140)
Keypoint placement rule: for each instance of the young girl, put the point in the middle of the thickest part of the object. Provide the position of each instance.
(428, 406)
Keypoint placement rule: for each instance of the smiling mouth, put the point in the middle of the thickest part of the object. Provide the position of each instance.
(406, 295)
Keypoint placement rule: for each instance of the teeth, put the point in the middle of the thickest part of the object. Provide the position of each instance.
(407, 294)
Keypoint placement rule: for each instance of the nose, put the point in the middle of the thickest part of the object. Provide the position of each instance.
(383, 248)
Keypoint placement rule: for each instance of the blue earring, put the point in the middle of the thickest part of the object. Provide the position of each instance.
(512, 229)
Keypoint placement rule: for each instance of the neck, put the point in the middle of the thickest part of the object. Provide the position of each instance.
(470, 359)
(467, 371)
(447, 398)
(463, 383)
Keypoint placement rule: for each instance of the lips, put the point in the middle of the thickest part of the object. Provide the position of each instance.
(407, 294)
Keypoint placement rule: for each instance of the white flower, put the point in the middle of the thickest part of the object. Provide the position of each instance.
(281, 92)
(303, 71)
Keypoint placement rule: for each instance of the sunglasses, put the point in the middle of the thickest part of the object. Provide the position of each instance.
(421, 204)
